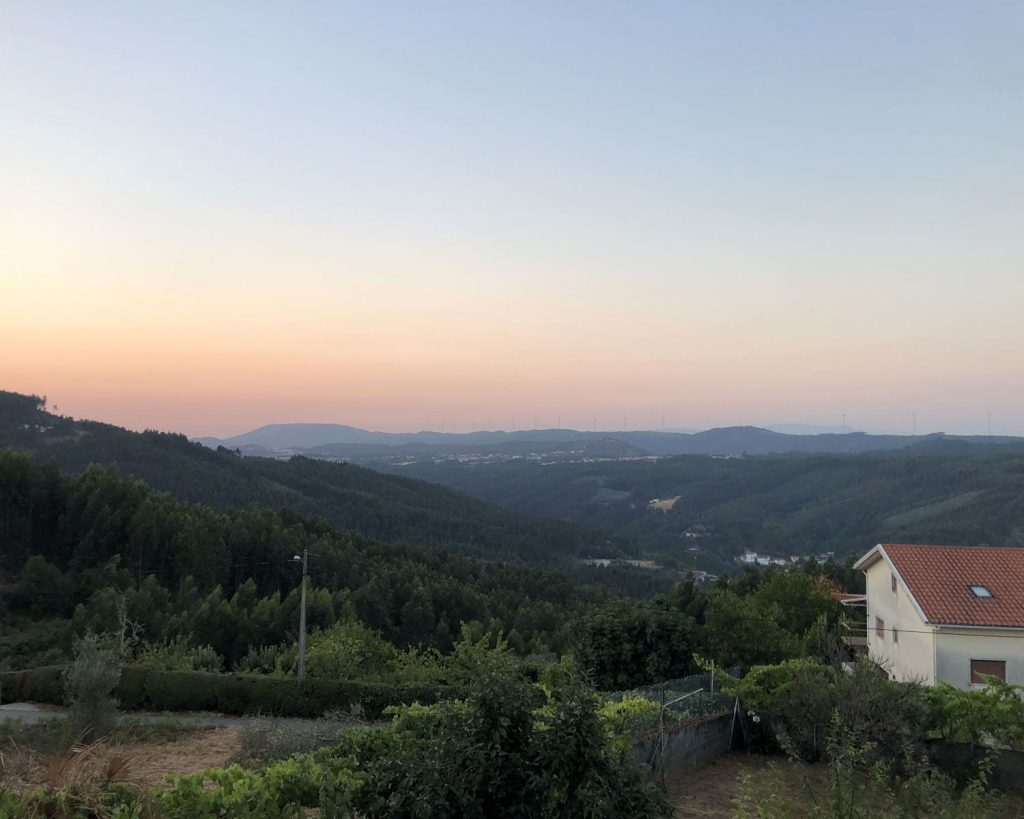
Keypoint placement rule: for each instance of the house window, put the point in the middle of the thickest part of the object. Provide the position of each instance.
(981, 591)
(892, 578)
(880, 627)
(993, 668)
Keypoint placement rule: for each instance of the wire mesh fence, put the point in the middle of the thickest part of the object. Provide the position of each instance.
(678, 701)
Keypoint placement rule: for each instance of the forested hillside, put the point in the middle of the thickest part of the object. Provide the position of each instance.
(72, 544)
(375, 505)
(777, 504)
(78, 548)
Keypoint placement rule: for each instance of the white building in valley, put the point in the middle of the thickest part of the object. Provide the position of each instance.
(949, 613)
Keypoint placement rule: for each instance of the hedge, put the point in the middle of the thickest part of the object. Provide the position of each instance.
(142, 687)
(43, 684)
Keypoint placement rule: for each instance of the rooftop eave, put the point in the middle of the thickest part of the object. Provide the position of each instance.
(975, 627)
(872, 557)
(879, 553)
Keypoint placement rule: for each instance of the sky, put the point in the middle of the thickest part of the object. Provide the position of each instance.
(452, 215)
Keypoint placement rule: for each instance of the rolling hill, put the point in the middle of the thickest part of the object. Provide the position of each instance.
(336, 441)
(943, 491)
(386, 507)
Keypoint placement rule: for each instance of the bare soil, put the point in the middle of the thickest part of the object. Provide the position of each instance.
(142, 763)
(150, 764)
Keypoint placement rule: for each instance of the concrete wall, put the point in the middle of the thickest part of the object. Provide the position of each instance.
(956, 649)
(686, 747)
(911, 654)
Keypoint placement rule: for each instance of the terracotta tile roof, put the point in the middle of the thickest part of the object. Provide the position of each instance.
(940, 578)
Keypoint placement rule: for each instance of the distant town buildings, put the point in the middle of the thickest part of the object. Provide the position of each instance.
(749, 558)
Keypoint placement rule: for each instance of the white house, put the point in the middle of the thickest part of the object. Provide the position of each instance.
(947, 613)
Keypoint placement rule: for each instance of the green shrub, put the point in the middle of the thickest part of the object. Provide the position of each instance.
(144, 687)
(131, 690)
(178, 654)
(279, 792)
(271, 660)
(804, 701)
(184, 690)
(89, 684)
(994, 713)
(512, 748)
(44, 684)
(349, 649)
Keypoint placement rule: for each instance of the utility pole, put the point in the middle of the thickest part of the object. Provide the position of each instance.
(302, 615)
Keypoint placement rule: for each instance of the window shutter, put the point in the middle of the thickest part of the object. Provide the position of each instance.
(994, 668)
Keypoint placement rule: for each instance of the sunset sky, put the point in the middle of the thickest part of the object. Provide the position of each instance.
(406, 215)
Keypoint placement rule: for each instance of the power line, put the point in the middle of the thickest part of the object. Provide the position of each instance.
(868, 629)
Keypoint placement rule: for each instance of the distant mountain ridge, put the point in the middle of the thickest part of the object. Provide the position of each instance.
(385, 507)
(331, 440)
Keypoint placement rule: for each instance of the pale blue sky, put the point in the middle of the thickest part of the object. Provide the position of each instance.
(718, 212)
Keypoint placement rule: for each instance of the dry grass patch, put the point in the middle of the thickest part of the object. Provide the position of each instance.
(717, 790)
(92, 766)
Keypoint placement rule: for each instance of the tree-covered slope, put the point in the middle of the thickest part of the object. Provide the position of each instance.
(74, 544)
(375, 505)
(777, 504)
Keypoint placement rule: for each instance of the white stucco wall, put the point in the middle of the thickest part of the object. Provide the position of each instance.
(928, 653)
(912, 656)
(956, 649)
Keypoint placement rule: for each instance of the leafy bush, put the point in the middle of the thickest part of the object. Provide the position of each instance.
(270, 660)
(349, 650)
(279, 792)
(803, 699)
(89, 684)
(628, 718)
(994, 713)
(626, 645)
(511, 748)
(179, 654)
